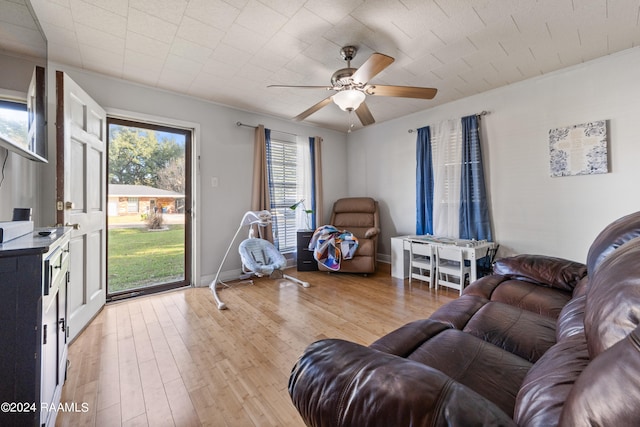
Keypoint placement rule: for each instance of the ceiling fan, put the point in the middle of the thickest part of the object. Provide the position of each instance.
(352, 87)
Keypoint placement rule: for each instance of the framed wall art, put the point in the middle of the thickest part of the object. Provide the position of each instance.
(579, 149)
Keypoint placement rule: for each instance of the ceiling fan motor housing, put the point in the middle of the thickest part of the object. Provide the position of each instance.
(342, 77)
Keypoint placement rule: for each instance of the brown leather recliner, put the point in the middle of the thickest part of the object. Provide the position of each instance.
(360, 216)
(538, 343)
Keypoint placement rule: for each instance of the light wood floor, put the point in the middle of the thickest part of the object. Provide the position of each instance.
(174, 359)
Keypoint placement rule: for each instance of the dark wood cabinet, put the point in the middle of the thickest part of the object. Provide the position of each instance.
(305, 260)
(34, 274)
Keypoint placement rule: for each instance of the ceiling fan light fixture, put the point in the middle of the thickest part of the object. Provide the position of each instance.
(349, 99)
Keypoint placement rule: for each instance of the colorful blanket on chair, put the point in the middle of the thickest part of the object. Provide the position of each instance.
(330, 246)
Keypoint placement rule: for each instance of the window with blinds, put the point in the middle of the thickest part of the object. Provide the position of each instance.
(283, 189)
(132, 205)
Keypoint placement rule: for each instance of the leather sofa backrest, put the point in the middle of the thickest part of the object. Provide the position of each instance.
(355, 204)
(591, 376)
(607, 392)
(612, 309)
(612, 331)
(554, 272)
(612, 237)
(355, 214)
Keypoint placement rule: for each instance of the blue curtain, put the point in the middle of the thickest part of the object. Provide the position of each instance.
(312, 152)
(474, 209)
(424, 182)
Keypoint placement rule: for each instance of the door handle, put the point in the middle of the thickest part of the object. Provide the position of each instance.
(75, 226)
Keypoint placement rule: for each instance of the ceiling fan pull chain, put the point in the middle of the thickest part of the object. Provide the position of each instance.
(351, 124)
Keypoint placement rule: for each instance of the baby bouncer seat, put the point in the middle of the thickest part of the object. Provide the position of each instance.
(259, 256)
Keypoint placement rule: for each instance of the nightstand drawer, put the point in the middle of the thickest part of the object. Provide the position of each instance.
(305, 260)
(307, 265)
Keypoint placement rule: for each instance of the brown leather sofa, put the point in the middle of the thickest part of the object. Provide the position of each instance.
(360, 216)
(538, 343)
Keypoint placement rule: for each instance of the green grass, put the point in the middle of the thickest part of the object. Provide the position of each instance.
(137, 257)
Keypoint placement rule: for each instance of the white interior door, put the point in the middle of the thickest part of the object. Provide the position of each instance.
(81, 198)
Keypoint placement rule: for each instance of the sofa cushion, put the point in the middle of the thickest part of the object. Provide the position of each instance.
(522, 294)
(612, 237)
(484, 286)
(404, 340)
(458, 312)
(613, 300)
(485, 368)
(521, 332)
(356, 223)
(549, 381)
(555, 272)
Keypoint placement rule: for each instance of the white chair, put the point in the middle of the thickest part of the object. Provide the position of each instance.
(422, 263)
(452, 271)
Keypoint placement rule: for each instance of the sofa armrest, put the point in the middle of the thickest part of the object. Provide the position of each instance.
(338, 383)
(548, 271)
(371, 233)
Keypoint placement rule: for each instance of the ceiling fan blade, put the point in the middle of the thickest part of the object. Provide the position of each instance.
(301, 87)
(402, 91)
(364, 114)
(306, 113)
(371, 67)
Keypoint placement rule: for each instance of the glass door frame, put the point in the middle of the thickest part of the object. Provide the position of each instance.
(189, 134)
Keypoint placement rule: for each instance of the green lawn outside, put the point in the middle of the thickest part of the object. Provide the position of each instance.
(138, 257)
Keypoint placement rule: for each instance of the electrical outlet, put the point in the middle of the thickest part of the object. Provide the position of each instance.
(214, 181)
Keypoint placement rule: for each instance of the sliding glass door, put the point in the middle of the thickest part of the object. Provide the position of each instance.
(149, 215)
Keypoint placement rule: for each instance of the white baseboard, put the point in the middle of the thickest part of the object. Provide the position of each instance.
(291, 263)
(384, 258)
(206, 280)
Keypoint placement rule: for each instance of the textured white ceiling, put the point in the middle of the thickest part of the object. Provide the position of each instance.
(229, 51)
(19, 32)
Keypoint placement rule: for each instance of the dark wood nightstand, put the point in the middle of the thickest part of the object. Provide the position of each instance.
(306, 262)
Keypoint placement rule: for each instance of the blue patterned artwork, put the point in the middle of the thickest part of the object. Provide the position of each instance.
(579, 149)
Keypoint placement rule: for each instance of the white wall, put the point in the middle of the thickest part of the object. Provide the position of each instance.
(532, 212)
(226, 152)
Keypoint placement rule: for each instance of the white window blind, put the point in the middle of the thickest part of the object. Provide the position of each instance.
(446, 145)
(284, 173)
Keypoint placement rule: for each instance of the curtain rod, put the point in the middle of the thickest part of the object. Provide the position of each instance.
(242, 124)
(255, 127)
(480, 114)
